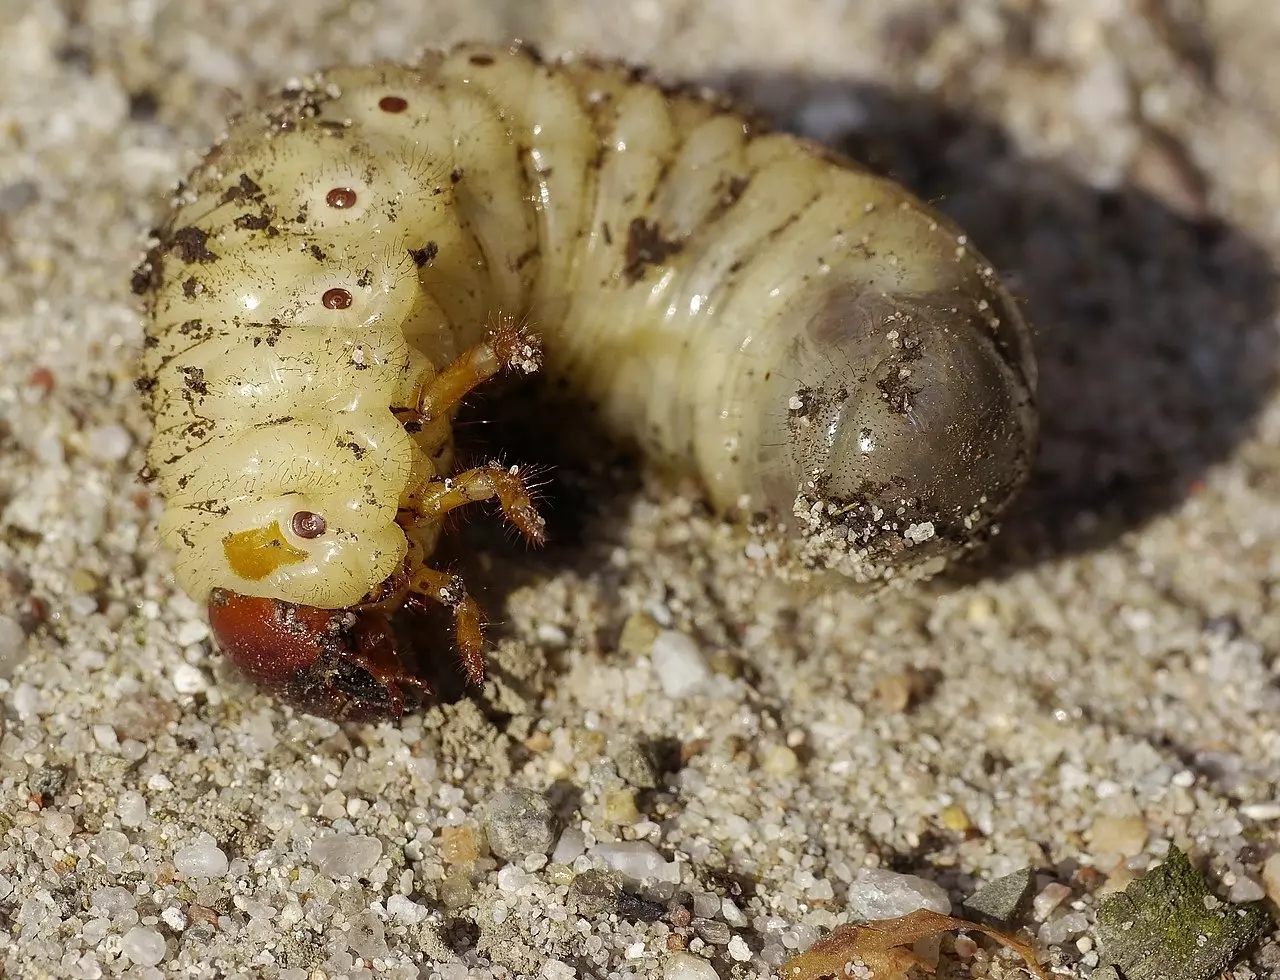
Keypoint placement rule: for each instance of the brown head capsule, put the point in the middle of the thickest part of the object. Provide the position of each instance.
(335, 663)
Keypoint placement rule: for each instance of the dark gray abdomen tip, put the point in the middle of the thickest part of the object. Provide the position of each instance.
(911, 427)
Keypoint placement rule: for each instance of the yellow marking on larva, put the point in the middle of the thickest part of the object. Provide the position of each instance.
(260, 551)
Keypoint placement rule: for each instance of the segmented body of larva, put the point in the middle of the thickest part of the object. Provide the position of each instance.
(805, 337)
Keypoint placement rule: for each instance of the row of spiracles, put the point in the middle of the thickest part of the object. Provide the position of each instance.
(827, 355)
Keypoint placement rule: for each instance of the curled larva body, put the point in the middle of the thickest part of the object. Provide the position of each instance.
(805, 337)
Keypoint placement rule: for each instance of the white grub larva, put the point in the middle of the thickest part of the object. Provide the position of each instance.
(805, 337)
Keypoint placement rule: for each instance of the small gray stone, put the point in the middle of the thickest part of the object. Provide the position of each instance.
(345, 855)
(571, 845)
(679, 664)
(105, 768)
(18, 195)
(712, 931)
(519, 822)
(998, 902)
(706, 905)
(638, 861)
(203, 858)
(686, 966)
(595, 893)
(47, 781)
(144, 947)
(634, 761)
(367, 936)
(877, 893)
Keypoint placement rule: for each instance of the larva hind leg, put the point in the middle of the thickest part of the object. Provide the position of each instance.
(451, 591)
(508, 346)
(430, 504)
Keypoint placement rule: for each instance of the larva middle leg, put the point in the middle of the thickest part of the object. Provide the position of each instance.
(809, 340)
(493, 481)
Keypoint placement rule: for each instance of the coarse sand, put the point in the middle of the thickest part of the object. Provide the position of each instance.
(1103, 685)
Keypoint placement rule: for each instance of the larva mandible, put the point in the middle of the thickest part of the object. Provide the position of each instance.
(806, 337)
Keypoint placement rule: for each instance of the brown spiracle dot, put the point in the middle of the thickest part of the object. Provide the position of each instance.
(341, 197)
(336, 298)
(307, 524)
(392, 103)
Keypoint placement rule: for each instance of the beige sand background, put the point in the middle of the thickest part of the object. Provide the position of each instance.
(1104, 685)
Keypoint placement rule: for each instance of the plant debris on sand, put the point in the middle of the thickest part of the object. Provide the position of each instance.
(884, 947)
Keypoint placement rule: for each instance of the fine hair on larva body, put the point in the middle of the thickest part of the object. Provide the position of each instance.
(814, 344)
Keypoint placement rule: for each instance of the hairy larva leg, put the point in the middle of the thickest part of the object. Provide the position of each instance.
(487, 482)
(451, 591)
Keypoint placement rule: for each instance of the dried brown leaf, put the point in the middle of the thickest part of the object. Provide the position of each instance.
(884, 947)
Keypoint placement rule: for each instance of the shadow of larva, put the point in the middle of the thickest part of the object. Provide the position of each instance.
(829, 357)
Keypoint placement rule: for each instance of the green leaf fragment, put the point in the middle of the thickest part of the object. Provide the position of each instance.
(1167, 925)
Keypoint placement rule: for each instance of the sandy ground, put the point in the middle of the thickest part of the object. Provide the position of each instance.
(1102, 686)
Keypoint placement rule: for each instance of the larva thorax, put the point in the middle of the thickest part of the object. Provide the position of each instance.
(804, 336)
(296, 324)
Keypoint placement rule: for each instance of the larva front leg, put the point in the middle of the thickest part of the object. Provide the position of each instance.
(507, 347)
(450, 590)
(435, 395)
